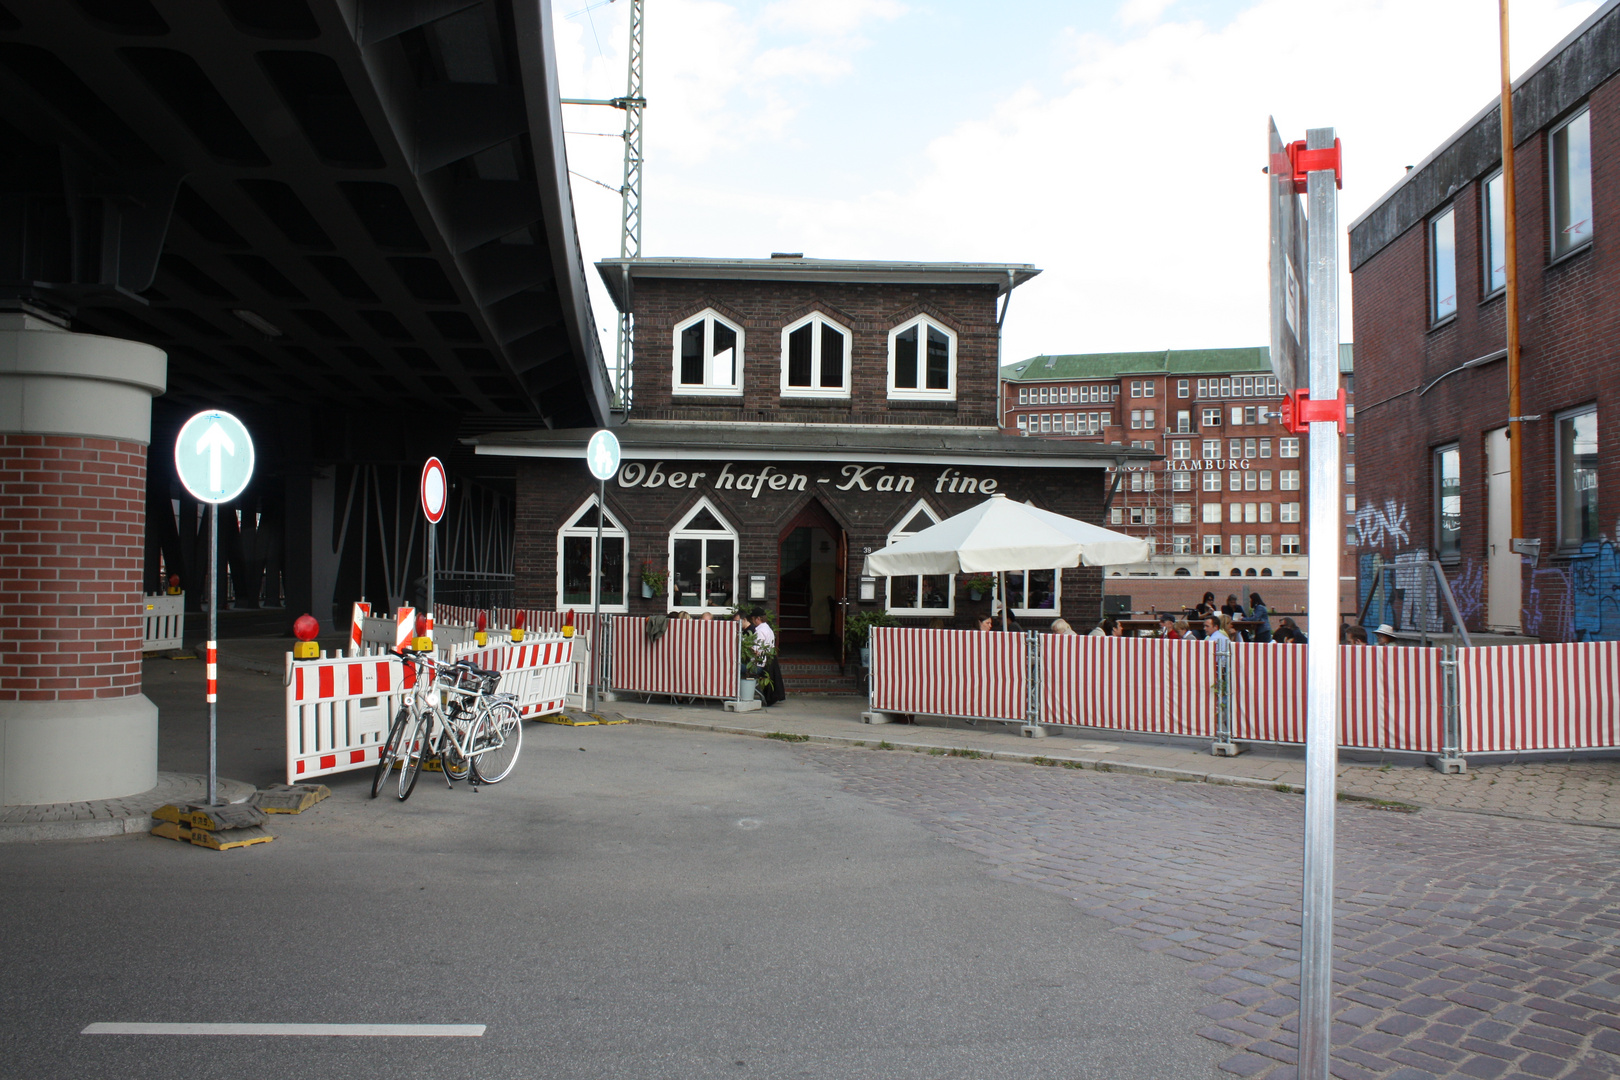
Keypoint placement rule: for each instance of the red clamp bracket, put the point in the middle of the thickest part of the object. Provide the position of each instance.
(1304, 162)
(1299, 411)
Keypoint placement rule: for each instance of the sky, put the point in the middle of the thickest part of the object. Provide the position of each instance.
(1115, 145)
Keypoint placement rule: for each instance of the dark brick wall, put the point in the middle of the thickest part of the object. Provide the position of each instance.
(1568, 329)
(549, 493)
(764, 308)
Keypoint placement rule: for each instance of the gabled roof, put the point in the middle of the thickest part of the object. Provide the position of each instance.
(1189, 362)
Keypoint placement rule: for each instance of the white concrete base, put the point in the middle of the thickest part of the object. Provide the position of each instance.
(744, 706)
(1032, 731)
(1449, 766)
(876, 718)
(1224, 749)
(77, 751)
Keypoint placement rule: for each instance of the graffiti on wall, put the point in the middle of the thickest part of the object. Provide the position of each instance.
(1377, 526)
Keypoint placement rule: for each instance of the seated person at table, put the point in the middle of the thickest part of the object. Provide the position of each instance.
(1288, 632)
(1060, 626)
(1355, 635)
(1167, 626)
(1107, 628)
(1183, 629)
(1259, 614)
(1205, 607)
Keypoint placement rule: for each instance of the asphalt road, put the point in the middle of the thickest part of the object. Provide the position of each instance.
(634, 902)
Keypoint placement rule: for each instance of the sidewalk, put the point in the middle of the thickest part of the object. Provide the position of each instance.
(1579, 792)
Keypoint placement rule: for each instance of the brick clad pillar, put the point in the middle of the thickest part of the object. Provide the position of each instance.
(75, 420)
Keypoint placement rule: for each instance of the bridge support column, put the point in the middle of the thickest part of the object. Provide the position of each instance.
(75, 422)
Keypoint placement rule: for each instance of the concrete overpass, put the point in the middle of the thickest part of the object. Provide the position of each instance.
(347, 221)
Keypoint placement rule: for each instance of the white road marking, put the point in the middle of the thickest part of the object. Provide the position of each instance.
(441, 1030)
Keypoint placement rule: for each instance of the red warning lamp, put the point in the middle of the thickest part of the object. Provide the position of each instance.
(517, 625)
(421, 626)
(306, 628)
(482, 621)
(568, 624)
(174, 585)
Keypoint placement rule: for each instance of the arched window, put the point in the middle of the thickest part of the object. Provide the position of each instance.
(920, 594)
(815, 358)
(922, 360)
(703, 561)
(1182, 571)
(708, 355)
(1265, 571)
(576, 541)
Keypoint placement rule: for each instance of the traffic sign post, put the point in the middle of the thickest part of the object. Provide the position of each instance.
(213, 456)
(435, 495)
(602, 457)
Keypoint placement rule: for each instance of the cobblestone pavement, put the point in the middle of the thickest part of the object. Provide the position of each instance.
(1466, 945)
(110, 817)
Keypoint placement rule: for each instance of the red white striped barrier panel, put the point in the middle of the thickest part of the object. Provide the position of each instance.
(404, 627)
(1268, 691)
(1390, 698)
(1128, 684)
(1539, 697)
(692, 658)
(357, 626)
(338, 711)
(213, 672)
(537, 672)
(974, 674)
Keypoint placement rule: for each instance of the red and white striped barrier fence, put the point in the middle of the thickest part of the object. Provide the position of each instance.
(1390, 698)
(1268, 691)
(968, 673)
(338, 711)
(538, 672)
(1539, 697)
(404, 627)
(1128, 684)
(357, 627)
(692, 658)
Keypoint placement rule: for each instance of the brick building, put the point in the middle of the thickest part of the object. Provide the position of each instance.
(1227, 499)
(1429, 277)
(790, 415)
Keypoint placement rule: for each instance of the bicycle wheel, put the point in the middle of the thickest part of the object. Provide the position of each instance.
(390, 751)
(414, 750)
(456, 767)
(497, 738)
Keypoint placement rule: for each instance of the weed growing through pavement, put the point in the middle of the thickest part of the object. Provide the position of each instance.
(885, 745)
(1286, 789)
(1038, 760)
(787, 736)
(1103, 766)
(936, 751)
(968, 753)
(1073, 765)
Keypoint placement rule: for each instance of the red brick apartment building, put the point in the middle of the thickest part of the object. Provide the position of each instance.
(1227, 498)
(1429, 277)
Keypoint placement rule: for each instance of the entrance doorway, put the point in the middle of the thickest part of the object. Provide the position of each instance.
(812, 552)
(1503, 582)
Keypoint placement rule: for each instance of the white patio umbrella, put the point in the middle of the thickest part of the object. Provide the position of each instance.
(1001, 534)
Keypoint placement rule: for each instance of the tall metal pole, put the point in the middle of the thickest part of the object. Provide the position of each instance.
(630, 217)
(432, 565)
(1322, 657)
(214, 592)
(1510, 251)
(596, 604)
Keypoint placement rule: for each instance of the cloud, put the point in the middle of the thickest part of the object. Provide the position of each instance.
(1138, 12)
(829, 17)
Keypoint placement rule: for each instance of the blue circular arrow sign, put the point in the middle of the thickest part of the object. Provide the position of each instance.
(214, 456)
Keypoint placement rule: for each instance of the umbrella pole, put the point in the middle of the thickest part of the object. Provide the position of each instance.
(1001, 582)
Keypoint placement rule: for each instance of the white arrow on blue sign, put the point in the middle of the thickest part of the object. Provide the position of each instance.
(214, 456)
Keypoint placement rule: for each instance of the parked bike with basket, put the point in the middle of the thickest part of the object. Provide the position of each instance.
(455, 717)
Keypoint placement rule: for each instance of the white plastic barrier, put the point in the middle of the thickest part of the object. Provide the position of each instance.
(165, 621)
(539, 672)
(338, 711)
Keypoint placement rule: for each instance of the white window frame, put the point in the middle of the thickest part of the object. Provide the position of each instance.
(1290, 512)
(1212, 513)
(1180, 480)
(726, 532)
(1290, 543)
(924, 323)
(709, 317)
(1054, 611)
(1212, 480)
(1443, 265)
(1288, 447)
(1288, 480)
(610, 528)
(1555, 181)
(900, 532)
(1562, 465)
(817, 320)
(1212, 543)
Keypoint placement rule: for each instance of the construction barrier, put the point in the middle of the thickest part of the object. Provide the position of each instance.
(538, 672)
(1390, 698)
(1128, 684)
(972, 674)
(691, 658)
(1539, 697)
(165, 621)
(338, 711)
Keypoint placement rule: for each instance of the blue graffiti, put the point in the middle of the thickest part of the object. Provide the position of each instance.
(1595, 588)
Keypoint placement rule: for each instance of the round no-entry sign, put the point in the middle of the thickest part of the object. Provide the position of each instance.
(214, 456)
(434, 490)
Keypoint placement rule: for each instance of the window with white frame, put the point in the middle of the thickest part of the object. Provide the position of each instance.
(1251, 544)
(922, 360)
(1265, 479)
(1349, 474)
(1251, 481)
(1023, 395)
(1033, 592)
(1249, 446)
(1290, 480)
(708, 355)
(1494, 235)
(1577, 477)
(1181, 481)
(815, 358)
(1251, 414)
(1265, 448)
(1136, 515)
(1265, 544)
(1571, 162)
(1212, 512)
(1147, 418)
(1212, 480)
(1251, 513)
(1183, 420)
(1116, 515)
(1136, 419)
(918, 593)
(1182, 388)
(1181, 514)
(1211, 449)
(1147, 388)
(1212, 544)
(1237, 414)
(1236, 513)
(576, 558)
(1211, 417)
(1288, 447)
(1265, 513)
(1023, 423)
(1290, 544)
(1180, 449)
(1181, 545)
(1234, 448)
(703, 556)
(1136, 481)
(1234, 481)
(1290, 512)
(1447, 464)
(1443, 265)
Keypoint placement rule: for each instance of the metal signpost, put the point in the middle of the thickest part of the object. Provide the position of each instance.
(213, 456)
(602, 457)
(1318, 410)
(1289, 317)
(435, 494)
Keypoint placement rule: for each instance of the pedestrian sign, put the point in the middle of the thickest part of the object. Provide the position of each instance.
(214, 456)
(602, 454)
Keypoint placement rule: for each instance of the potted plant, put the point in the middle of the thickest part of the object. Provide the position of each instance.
(652, 581)
(978, 585)
(755, 663)
(858, 632)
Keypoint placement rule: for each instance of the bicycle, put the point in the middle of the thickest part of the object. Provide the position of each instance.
(456, 717)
